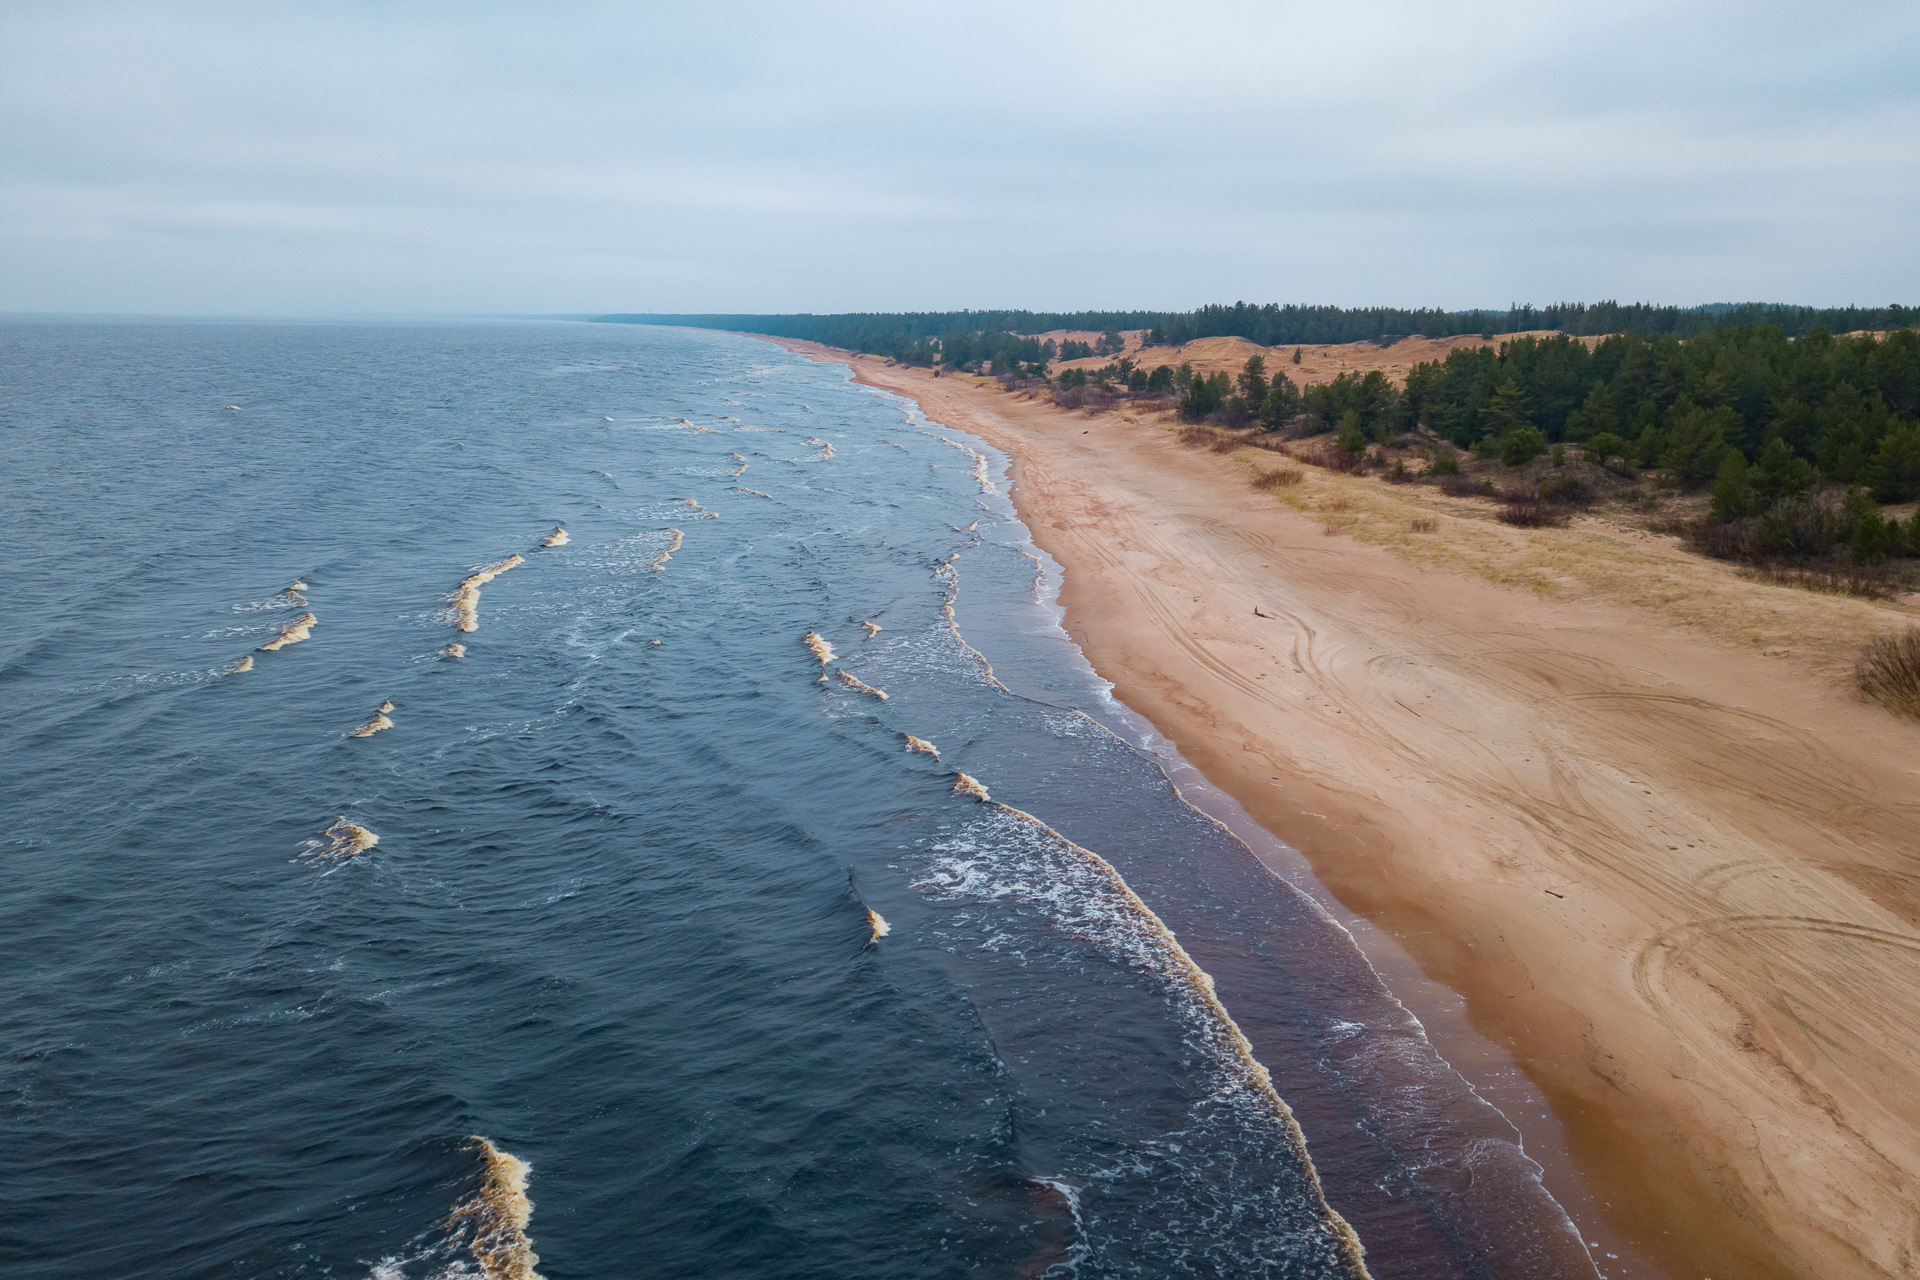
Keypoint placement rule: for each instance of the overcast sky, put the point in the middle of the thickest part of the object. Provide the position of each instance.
(306, 158)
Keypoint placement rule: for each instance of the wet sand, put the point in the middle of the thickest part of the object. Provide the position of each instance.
(1671, 864)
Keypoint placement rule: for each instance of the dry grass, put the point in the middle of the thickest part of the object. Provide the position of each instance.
(1565, 563)
(1858, 581)
(1423, 524)
(1889, 672)
(1279, 478)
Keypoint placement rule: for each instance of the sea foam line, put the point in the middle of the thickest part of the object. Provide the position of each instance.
(1177, 967)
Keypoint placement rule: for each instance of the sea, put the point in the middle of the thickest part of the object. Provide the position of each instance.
(512, 798)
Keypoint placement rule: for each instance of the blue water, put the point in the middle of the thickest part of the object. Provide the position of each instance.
(617, 922)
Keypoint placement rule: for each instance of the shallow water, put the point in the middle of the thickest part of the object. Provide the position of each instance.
(612, 902)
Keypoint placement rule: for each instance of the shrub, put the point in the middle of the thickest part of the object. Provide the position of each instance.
(1522, 445)
(1566, 490)
(1607, 445)
(1889, 671)
(1423, 524)
(1530, 512)
(1278, 478)
(1445, 465)
(1460, 486)
(1854, 580)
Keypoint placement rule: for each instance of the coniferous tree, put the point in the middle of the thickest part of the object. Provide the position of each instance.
(1253, 380)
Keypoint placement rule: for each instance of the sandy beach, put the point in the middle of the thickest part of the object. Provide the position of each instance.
(1620, 799)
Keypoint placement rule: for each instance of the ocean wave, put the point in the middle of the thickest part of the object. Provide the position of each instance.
(660, 560)
(921, 745)
(293, 633)
(339, 839)
(379, 721)
(871, 628)
(558, 538)
(1010, 855)
(858, 685)
(465, 598)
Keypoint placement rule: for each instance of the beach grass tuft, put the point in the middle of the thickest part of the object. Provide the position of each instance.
(1888, 672)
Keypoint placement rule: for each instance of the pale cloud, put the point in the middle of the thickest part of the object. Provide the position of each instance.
(586, 157)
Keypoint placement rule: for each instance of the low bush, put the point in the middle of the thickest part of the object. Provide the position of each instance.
(1423, 524)
(1460, 486)
(1889, 671)
(1210, 438)
(1530, 512)
(1565, 489)
(1859, 581)
(1279, 478)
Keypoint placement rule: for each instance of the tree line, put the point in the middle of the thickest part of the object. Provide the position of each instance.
(919, 337)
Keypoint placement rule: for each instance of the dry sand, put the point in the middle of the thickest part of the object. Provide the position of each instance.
(1318, 363)
(1621, 799)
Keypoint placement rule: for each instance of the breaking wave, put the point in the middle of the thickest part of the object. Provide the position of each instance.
(380, 721)
(921, 745)
(965, 784)
(340, 839)
(856, 683)
(465, 598)
(293, 633)
(1014, 855)
(660, 560)
(558, 538)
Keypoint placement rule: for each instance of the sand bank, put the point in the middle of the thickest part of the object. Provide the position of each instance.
(1668, 861)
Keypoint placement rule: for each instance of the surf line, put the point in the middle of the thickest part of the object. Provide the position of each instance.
(979, 462)
(293, 633)
(661, 559)
(1252, 1070)
(820, 649)
(948, 572)
(856, 683)
(494, 1218)
(465, 598)
(380, 721)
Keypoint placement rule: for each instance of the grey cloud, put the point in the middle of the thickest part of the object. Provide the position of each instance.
(241, 158)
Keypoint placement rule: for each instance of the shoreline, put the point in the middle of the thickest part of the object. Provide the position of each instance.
(1683, 908)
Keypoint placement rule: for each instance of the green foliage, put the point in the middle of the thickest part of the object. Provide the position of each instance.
(1843, 407)
(1559, 455)
(1253, 380)
(1352, 436)
(1872, 539)
(1648, 448)
(1695, 440)
(1522, 444)
(1110, 344)
(1205, 394)
(1596, 416)
(1894, 472)
(1282, 404)
(1445, 465)
(1733, 495)
(1606, 445)
(1160, 380)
